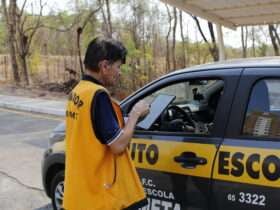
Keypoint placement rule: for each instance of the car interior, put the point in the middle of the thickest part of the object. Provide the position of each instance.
(193, 109)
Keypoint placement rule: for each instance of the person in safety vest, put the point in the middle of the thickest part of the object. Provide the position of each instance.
(99, 173)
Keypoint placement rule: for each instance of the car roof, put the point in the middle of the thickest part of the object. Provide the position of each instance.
(235, 63)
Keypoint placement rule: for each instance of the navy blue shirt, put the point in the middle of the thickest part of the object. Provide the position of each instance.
(104, 119)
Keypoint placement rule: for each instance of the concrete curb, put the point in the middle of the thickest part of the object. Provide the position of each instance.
(33, 105)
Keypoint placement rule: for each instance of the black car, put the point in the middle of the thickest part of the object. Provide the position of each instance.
(214, 145)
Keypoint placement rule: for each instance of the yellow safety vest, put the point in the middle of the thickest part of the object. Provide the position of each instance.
(96, 179)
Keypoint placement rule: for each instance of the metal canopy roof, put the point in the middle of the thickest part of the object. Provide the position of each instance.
(232, 13)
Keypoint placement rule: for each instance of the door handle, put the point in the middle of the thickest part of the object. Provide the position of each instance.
(189, 160)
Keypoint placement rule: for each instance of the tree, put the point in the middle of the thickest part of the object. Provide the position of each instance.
(182, 38)
(275, 40)
(9, 16)
(168, 66)
(106, 14)
(213, 45)
(26, 30)
(137, 32)
(71, 27)
(21, 30)
(253, 41)
(244, 39)
(174, 37)
(80, 30)
(3, 35)
(110, 29)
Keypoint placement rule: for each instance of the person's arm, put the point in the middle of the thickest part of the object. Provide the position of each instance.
(121, 142)
(105, 123)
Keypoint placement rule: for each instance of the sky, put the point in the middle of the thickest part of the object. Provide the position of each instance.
(231, 37)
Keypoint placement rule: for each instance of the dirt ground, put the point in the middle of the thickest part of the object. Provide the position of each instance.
(33, 92)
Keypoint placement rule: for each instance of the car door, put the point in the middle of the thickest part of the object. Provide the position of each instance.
(176, 165)
(247, 169)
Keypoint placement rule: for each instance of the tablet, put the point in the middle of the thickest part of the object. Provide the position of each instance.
(159, 104)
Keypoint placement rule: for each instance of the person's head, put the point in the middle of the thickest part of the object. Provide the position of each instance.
(105, 56)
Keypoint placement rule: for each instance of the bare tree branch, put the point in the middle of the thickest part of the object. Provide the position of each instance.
(90, 16)
(211, 46)
(109, 17)
(41, 25)
(174, 38)
(104, 19)
(38, 23)
(74, 23)
(167, 39)
(276, 34)
(23, 22)
(273, 40)
(11, 26)
(182, 37)
(244, 38)
(22, 8)
(67, 29)
(80, 31)
(199, 28)
(210, 26)
(4, 8)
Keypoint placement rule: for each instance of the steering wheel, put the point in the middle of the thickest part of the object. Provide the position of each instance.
(186, 114)
(175, 119)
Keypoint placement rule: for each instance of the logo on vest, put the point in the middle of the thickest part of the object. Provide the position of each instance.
(76, 100)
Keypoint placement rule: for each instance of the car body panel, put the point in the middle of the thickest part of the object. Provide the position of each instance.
(158, 155)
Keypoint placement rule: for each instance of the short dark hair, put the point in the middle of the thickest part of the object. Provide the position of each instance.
(103, 49)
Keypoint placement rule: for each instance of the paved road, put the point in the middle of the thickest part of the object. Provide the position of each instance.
(23, 139)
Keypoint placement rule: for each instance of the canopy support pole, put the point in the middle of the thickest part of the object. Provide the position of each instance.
(220, 42)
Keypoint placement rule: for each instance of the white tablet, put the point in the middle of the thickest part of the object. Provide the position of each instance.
(159, 104)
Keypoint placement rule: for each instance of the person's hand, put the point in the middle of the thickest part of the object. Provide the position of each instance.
(140, 109)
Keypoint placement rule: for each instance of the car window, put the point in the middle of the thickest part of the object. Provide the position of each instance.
(192, 110)
(263, 111)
